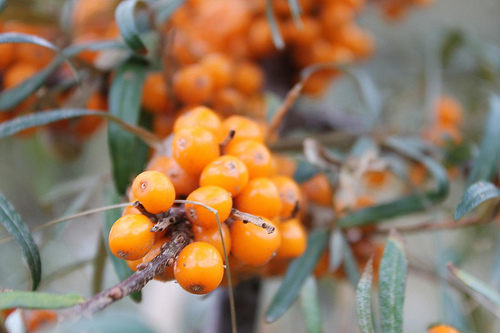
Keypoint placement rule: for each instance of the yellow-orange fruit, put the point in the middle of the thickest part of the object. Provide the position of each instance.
(130, 237)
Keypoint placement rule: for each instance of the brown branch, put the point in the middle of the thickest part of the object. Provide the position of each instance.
(227, 139)
(284, 107)
(249, 218)
(136, 281)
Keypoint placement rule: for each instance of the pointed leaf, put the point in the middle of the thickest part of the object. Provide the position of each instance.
(165, 9)
(125, 15)
(278, 41)
(363, 299)
(128, 154)
(121, 268)
(336, 250)
(296, 275)
(392, 282)
(350, 263)
(475, 195)
(486, 163)
(15, 226)
(310, 306)
(37, 300)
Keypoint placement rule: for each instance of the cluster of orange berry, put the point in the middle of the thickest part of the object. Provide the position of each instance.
(448, 118)
(224, 165)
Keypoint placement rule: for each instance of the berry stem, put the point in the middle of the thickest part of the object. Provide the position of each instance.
(249, 218)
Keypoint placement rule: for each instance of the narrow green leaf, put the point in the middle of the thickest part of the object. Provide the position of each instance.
(486, 163)
(15, 226)
(475, 195)
(273, 101)
(304, 171)
(278, 41)
(476, 284)
(121, 268)
(125, 15)
(128, 154)
(392, 282)
(350, 263)
(363, 299)
(310, 305)
(336, 250)
(165, 9)
(18, 37)
(37, 300)
(408, 204)
(296, 275)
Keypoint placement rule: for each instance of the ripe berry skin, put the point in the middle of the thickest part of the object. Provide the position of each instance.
(289, 193)
(252, 244)
(318, 190)
(192, 85)
(184, 182)
(168, 272)
(244, 128)
(154, 93)
(198, 268)
(199, 116)
(442, 329)
(214, 197)
(260, 197)
(293, 239)
(130, 237)
(228, 172)
(254, 154)
(212, 237)
(449, 111)
(193, 148)
(219, 67)
(154, 191)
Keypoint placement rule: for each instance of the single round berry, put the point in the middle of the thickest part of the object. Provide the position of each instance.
(228, 172)
(318, 190)
(199, 116)
(198, 268)
(290, 195)
(192, 85)
(184, 182)
(254, 154)
(219, 67)
(131, 210)
(260, 197)
(211, 196)
(130, 237)
(442, 329)
(449, 111)
(253, 245)
(244, 129)
(293, 239)
(248, 78)
(154, 93)
(212, 236)
(194, 147)
(154, 191)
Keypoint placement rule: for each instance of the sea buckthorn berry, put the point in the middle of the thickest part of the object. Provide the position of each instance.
(375, 178)
(229, 101)
(248, 78)
(18, 73)
(192, 85)
(154, 93)
(449, 111)
(130, 237)
(211, 196)
(154, 191)
(212, 236)
(290, 196)
(282, 165)
(7, 51)
(130, 210)
(184, 182)
(260, 197)
(219, 67)
(244, 129)
(442, 329)
(167, 274)
(199, 116)
(254, 154)
(36, 320)
(253, 245)
(194, 147)
(198, 268)
(293, 239)
(259, 38)
(318, 190)
(227, 172)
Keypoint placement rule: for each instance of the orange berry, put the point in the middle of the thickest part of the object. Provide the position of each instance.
(442, 329)
(219, 67)
(184, 182)
(198, 268)
(192, 85)
(229, 101)
(167, 274)
(252, 244)
(290, 195)
(318, 190)
(248, 78)
(36, 320)
(227, 172)
(449, 111)
(154, 93)
(131, 210)
(7, 51)
(311, 30)
(282, 165)
(244, 128)
(360, 42)
(293, 239)
(199, 116)
(213, 197)
(163, 124)
(260, 197)
(130, 237)
(259, 38)
(335, 14)
(254, 154)
(194, 147)
(212, 236)
(376, 179)
(154, 191)
(18, 73)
